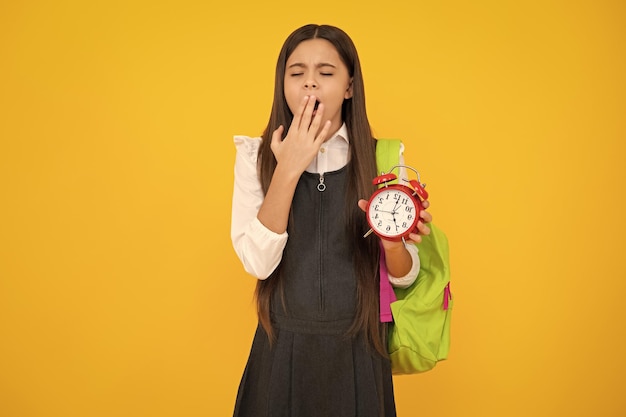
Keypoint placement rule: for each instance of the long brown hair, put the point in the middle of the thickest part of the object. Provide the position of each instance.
(361, 169)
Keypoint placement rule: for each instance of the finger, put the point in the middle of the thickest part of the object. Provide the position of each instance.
(363, 204)
(317, 119)
(414, 238)
(297, 117)
(426, 216)
(425, 204)
(423, 229)
(277, 135)
(307, 113)
(323, 134)
(277, 138)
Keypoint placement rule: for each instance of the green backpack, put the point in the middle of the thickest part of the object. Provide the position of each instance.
(419, 336)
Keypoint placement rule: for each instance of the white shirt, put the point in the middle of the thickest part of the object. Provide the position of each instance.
(259, 249)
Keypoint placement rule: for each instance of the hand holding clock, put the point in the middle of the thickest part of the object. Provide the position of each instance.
(422, 228)
(397, 257)
(397, 214)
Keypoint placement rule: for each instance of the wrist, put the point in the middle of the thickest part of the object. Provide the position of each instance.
(398, 258)
(393, 247)
(285, 175)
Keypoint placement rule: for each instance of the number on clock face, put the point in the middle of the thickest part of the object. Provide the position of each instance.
(392, 212)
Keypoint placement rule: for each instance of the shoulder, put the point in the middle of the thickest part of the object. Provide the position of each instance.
(247, 146)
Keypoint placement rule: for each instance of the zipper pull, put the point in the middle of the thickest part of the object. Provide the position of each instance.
(321, 186)
(447, 296)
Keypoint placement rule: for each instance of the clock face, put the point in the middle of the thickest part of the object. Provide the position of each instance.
(392, 213)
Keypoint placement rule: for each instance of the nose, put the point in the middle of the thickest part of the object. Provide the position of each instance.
(310, 84)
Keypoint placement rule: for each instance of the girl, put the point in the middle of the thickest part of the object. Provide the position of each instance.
(298, 226)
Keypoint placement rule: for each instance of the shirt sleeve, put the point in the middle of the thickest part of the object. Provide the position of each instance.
(259, 249)
(411, 276)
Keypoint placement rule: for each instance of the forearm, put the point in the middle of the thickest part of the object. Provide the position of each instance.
(274, 212)
(259, 249)
(398, 259)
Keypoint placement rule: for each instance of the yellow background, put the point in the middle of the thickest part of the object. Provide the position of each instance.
(120, 294)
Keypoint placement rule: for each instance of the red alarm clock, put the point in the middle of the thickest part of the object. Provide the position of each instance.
(394, 209)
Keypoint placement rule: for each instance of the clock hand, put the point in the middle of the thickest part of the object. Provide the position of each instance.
(395, 222)
(393, 210)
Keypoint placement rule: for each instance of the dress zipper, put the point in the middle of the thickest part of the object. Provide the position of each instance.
(321, 187)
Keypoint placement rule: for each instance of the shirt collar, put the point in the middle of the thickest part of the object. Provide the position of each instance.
(341, 133)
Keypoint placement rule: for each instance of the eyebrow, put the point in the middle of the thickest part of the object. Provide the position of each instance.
(320, 65)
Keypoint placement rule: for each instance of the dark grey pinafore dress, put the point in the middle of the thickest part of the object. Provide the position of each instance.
(313, 369)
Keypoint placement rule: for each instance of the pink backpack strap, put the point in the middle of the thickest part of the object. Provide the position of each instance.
(387, 296)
